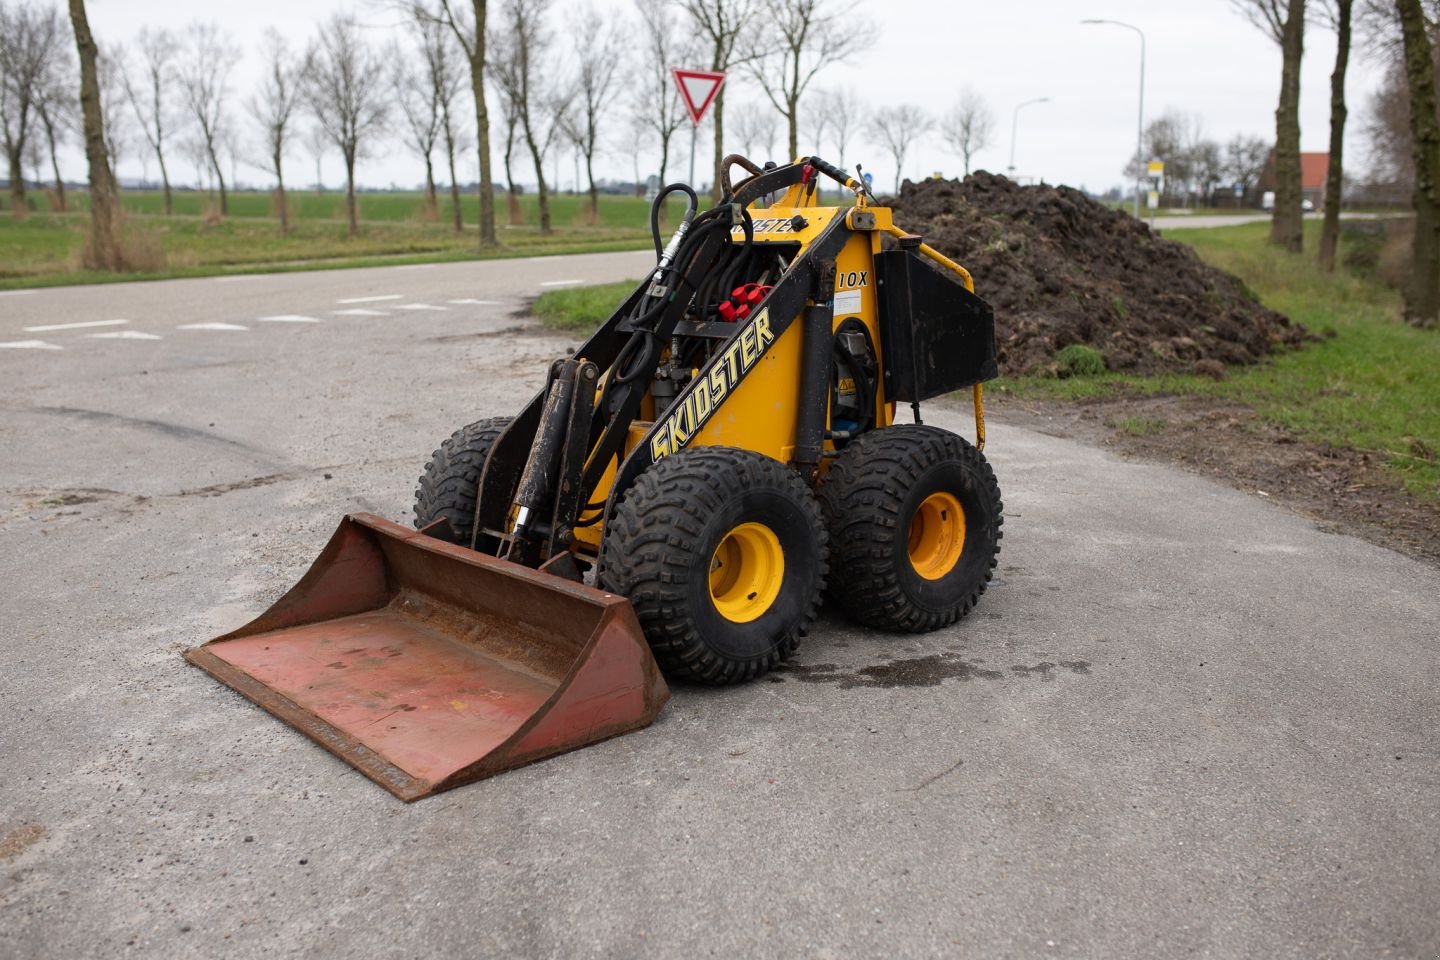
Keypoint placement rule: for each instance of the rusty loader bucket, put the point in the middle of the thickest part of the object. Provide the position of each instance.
(427, 665)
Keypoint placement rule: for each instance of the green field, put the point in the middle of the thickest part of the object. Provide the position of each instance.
(1371, 385)
(43, 249)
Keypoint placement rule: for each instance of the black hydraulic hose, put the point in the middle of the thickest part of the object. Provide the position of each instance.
(693, 205)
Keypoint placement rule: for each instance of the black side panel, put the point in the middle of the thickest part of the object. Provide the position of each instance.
(936, 335)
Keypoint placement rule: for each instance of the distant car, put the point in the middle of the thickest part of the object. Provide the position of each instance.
(1307, 205)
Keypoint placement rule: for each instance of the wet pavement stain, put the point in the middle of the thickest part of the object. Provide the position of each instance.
(928, 671)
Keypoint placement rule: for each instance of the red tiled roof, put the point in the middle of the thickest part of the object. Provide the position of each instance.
(1314, 167)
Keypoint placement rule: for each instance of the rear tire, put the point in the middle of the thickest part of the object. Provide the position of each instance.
(452, 479)
(722, 553)
(904, 559)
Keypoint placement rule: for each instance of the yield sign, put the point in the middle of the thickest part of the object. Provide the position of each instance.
(698, 89)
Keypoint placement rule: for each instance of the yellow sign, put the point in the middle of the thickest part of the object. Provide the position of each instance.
(1155, 168)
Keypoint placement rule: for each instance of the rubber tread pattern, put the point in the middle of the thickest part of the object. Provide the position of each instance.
(863, 497)
(650, 546)
(452, 477)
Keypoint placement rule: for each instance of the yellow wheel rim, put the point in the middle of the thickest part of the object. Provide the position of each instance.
(937, 535)
(746, 572)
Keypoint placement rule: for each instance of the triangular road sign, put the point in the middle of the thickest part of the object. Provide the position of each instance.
(698, 89)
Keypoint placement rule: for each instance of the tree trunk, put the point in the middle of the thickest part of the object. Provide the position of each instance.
(1287, 225)
(594, 191)
(482, 130)
(1422, 290)
(220, 179)
(103, 251)
(719, 109)
(454, 187)
(55, 169)
(165, 179)
(1330, 232)
(542, 192)
(280, 194)
(432, 198)
(351, 210)
(17, 184)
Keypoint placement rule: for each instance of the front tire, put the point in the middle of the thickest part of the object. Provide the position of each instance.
(451, 480)
(722, 553)
(914, 514)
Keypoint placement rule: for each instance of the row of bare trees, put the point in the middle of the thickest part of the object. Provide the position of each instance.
(1404, 33)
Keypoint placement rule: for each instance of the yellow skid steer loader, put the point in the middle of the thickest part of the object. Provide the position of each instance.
(720, 454)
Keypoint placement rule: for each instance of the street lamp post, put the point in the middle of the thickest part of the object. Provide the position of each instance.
(1014, 124)
(1140, 121)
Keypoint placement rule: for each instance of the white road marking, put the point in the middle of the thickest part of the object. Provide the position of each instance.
(125, 335)
(76, 326)
(238, 276)
(562, 283)
(418, 306)
(290, 318)
(211, 326)
(30, 345)
(16, 293)
(416, 266)
(471, 301)
(359, 312)
(385, 296)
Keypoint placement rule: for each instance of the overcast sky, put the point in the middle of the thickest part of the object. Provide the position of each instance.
(1201, 58)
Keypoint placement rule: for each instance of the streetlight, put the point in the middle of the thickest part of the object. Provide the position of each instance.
(1139, 123)
(1015, 122)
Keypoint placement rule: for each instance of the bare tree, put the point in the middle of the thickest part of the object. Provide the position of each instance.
(469, 29)
(418, 95)
(346, 91)
(102, 250)
(510, 117)
(273, 108)
(968, 126)
(899, 127)
(111, 66)
(808, 35)
(316, 140)
(845, 110)
(29, 36)
(148, 97)
(657, 102)
(519, 60)
(1284, 22)
(1337, 15)
(729, 30)
(204, 72)
(57, 107)
(1244, 160)
(1422, 290)
(447, 82)
(815, 122)
(755, 128)
(597, 63)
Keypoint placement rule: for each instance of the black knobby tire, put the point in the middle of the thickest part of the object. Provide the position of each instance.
(871, 496)
(452, 479)
(661, 543)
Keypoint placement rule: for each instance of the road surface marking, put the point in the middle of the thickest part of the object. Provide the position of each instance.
(232, 279)
(359, 312)
(30, 345)
(471, 301)
(416, 266)
(384, 296)
(125, 335)
(562, 283)
(290, 318)
(211, 326)
(76, 326)
(16, 293)
(418, 306)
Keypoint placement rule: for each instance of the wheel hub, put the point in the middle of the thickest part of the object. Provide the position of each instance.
(746, 572)
(937, 535)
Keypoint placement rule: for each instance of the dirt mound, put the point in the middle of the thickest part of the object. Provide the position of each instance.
(1061, 269)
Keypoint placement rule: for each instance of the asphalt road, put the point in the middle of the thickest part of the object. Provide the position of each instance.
(1183, 722)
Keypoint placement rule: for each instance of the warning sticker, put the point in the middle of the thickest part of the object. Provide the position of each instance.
(847, 301)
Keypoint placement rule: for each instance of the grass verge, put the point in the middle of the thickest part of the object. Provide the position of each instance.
(581, 308)
(1370, 386)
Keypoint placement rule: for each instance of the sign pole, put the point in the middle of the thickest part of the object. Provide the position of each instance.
(694, 127)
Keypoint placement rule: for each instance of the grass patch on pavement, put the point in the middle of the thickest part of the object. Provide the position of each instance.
(1371, 385)
(581, 308)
